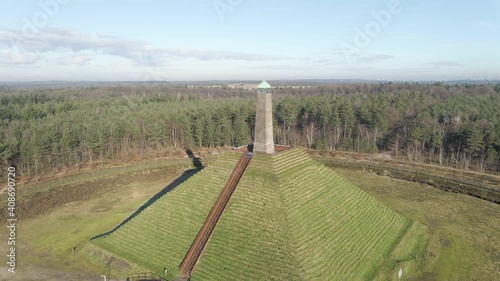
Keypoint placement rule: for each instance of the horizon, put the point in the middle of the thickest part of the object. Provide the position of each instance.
(238, 40)
(256, 81)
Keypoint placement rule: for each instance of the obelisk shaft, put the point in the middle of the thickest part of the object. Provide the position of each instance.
(263, 141)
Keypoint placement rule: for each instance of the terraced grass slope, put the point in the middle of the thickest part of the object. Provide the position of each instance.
(291, 218)
(162, 233)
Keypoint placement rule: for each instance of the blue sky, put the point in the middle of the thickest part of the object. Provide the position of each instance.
(249, 40)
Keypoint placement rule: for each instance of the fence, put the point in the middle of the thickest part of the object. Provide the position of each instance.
(147, 276)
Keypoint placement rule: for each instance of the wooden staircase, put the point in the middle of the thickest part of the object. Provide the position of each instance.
(197, 247)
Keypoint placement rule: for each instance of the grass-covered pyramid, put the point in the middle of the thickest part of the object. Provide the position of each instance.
(290, 218)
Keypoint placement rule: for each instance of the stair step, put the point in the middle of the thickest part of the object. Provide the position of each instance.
(213, 217)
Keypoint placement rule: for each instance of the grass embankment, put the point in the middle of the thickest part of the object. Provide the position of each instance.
(160, 235)
(45, 239)
(291, 218)
(463, 231)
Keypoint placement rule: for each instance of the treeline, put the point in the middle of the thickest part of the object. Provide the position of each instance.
(44, 130)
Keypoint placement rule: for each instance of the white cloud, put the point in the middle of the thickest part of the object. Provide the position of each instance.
(444, 64)
(488, 24)
(16, 57)
(58, 40)
(338, 60)
(73, 59)
(374, 58)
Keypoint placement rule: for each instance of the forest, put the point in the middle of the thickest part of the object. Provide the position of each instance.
(49, 129)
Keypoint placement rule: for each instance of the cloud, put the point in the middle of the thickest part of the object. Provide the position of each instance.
(73, 59)
(488, 24)
(328, 62)
(485, 23)
(349, 51)
(343, 57)
(221, 55)
(335, 58)
(16, 57)
(58, 40)
(374, 58)
(444, 64)
(402, 38)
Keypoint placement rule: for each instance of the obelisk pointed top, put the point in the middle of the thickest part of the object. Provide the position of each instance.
(264, 85)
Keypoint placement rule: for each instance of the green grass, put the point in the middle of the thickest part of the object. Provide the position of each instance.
(106, 172)
(250, 241)
(463, 241)
(45, 242)
(291, 218)
(162, 233)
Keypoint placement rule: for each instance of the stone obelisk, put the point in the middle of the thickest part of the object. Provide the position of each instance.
(263, 141)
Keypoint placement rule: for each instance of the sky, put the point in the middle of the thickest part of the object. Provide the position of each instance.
(87, 40)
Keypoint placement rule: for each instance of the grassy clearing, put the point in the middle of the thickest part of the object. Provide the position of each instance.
(45, 242)
(291, 218)
(102, 173)
(463, 231)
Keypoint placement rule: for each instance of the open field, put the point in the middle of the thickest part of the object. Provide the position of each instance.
(46, 238)
(488, 180)
(463, 231)
(430, 176)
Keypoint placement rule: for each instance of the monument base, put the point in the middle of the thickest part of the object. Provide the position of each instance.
(264, 148)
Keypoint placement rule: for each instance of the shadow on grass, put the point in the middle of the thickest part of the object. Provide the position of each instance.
(182, 178)
(196, 161)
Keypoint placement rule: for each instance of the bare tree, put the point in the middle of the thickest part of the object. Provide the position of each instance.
(310, 133)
